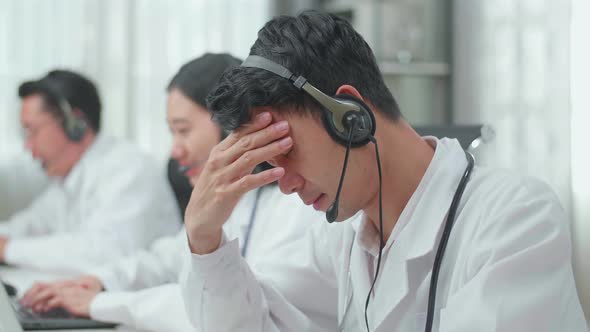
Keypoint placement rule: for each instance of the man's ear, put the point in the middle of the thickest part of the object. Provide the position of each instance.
(262, 109)
(349, 90)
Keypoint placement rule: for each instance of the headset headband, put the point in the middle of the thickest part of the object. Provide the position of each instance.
(338, 109)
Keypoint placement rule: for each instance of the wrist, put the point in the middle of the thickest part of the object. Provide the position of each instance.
(201, 243)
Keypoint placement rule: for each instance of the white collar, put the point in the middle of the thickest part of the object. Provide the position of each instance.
(444, 151)
(93, 153)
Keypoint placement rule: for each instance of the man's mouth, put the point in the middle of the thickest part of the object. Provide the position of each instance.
(315, 201)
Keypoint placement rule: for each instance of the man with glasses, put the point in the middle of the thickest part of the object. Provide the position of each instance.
(106, 199)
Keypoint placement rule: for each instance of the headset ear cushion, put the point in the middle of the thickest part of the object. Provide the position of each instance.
(76, 129)
(367, 114)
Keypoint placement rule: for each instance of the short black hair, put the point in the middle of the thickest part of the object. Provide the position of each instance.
(197, 77)
(79, 91)
(324, 48)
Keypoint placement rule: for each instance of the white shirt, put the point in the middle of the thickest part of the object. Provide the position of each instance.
(114, 201)
(276, 235)
(507, 266)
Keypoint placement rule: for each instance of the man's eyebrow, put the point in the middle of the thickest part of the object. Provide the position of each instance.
(179, 121)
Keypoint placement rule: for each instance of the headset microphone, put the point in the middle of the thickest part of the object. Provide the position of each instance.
(184, 169)
(332, 212)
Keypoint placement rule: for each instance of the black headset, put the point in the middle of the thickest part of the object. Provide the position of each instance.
(338, 112)
(74, 126)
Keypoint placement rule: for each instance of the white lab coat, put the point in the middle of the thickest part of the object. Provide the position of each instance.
(158, 265)
(114, 201)
(507, 266)
(276, 235)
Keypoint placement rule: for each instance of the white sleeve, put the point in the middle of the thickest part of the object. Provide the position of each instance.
(153, 309)
(147, 268)
(129, 213)
(221, 293)
(34, 220)
(74, 252)
(521, 274)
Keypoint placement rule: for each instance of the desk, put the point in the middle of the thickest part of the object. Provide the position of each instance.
(22, 279)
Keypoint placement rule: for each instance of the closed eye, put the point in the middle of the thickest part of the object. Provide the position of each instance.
(281, 159)
(289, 153)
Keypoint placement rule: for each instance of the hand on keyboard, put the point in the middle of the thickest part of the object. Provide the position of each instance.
(56, 313)
(28, 313)
(74, 299)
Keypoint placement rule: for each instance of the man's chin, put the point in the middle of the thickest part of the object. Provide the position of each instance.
(50, 172)
(343, 216)
(54, 173)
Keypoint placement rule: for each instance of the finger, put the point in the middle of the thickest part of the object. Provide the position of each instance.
(43, 296)
(260, 121)
(32, 295)
(56, 302)
(248, 161)
(39, 306)
(78, 303)
(66, 283)
(255, 140)
(26, 299)
(253, 181)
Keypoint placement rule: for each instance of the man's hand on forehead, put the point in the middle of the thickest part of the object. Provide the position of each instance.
(227, 176)
(259, 133)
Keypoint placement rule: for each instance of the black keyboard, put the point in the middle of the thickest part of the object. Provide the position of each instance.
(10, 290)
(26, 313)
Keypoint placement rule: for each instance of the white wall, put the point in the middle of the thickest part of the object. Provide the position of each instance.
(129, 48)
(511, 69)
(20, 182)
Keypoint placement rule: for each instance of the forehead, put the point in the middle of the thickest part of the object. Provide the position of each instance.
(180, 106)
(33, 108)
(35, 100)
(306, 130)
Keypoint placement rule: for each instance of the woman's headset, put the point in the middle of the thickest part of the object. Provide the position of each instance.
(338, 112)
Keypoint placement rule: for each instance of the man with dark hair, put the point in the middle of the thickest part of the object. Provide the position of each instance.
(310, 95)
(106, 198)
